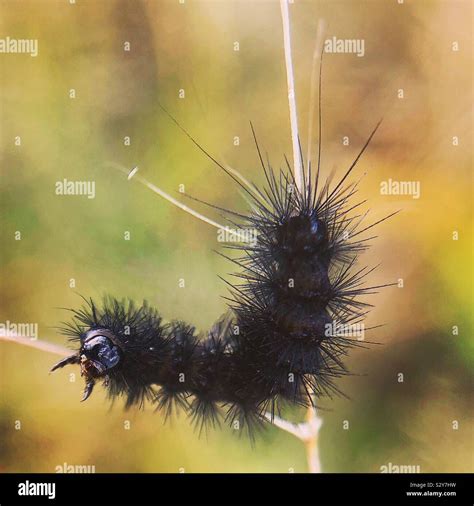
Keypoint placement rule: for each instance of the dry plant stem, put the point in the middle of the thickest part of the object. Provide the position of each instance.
(307, 432)
(39, 345)
(297, 162)
(167, 197)
(312, 447)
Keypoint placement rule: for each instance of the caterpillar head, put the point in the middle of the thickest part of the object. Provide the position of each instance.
(97, 356)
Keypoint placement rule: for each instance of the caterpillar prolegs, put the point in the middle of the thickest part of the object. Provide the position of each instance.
(280, 341)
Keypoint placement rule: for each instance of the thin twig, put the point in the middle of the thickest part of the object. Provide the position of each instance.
(307, 432)
(39, 345)
(297, 162)
(166, 196)
(177, 203)
(311, 443)
(238, 175)
(292, 428)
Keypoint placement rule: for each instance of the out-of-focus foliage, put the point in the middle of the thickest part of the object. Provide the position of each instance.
(191, 47)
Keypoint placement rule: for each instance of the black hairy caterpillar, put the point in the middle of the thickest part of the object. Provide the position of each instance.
(279, 341)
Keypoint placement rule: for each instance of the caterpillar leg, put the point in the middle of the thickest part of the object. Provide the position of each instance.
(88, 389)
(73, 359)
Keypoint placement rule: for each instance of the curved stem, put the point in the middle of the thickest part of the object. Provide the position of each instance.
(297, 162)
(131, 174)
(307, 432)
(39, 345)
(312, 446)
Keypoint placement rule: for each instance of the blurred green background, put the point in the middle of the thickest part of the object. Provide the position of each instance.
(190, 46)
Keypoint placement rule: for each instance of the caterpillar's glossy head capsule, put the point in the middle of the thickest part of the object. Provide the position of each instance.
(97, 356)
